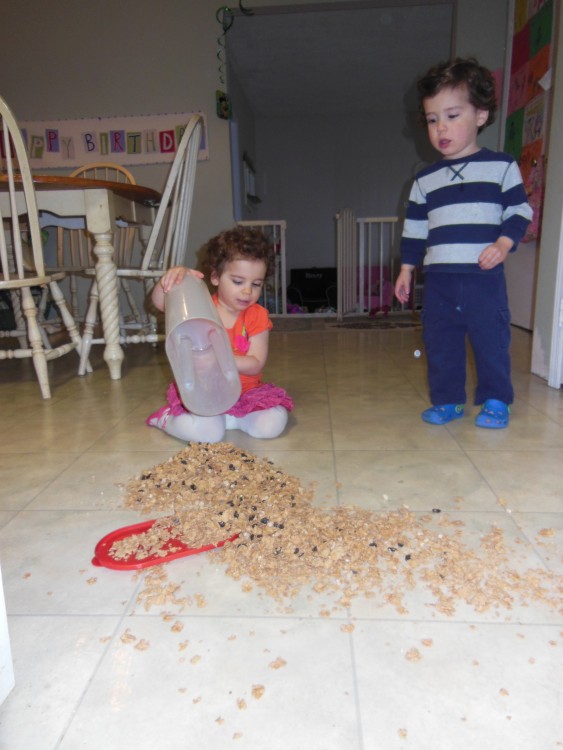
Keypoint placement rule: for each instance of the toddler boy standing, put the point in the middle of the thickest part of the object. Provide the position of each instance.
(465, 214)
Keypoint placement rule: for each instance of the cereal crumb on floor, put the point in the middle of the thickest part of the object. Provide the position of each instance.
(128, 637)
(258, 691)
(277, 663)
(413, 654)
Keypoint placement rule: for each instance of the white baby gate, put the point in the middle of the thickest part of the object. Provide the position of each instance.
(346, 263)
(367, 263)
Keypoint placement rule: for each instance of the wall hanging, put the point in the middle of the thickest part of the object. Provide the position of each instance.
(136, 140)
(529, 97)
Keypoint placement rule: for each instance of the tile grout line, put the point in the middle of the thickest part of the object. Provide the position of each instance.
(105, 651)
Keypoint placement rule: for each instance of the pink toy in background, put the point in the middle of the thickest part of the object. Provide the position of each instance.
(378, 291)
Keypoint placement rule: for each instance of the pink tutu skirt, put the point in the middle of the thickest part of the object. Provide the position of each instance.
(265, 396)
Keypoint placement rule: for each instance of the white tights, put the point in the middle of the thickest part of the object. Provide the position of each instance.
(267, 423)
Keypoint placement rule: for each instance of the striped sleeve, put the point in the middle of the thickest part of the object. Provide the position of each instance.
(415, 229)
(517, 212)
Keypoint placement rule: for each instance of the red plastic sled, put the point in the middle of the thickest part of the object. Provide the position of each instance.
(102, 558)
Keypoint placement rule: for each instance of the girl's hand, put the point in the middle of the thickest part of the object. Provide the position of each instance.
(172, 277)
(403, 284)
(176, 275)
(495, 254)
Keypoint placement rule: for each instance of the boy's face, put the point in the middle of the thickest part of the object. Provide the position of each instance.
(453, 122)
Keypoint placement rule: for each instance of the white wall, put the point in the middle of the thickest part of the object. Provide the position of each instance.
(7, 679)
(244, 128)
(547, 356)
(521, 277)
(315, 166)
(68, 59)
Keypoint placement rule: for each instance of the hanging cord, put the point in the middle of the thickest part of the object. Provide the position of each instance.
(225, 17)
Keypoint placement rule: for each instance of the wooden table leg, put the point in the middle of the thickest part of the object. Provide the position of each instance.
(106, 278)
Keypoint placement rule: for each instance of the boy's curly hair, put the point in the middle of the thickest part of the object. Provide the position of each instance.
(460, 72)
(236, 244)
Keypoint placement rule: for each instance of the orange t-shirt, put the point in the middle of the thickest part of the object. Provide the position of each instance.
(252, 321)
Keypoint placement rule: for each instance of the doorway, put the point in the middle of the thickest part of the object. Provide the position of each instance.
(324, 108)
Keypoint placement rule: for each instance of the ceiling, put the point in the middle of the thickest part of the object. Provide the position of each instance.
(297, 62)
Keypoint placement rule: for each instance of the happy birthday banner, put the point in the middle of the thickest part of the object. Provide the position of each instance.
(129, 141)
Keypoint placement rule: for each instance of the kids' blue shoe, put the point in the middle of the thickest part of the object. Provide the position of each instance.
(442, 414)
(494, 415)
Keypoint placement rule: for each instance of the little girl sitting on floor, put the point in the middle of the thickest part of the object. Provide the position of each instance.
(238, 261)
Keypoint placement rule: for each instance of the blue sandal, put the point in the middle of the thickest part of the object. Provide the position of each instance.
(442, 414)
(494, 415)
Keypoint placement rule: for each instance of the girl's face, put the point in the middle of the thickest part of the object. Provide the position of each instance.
(240, 284)
(453, 122)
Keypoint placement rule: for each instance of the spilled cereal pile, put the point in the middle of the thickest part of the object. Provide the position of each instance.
(208, 493)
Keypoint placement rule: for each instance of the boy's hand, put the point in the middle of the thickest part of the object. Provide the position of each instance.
(495, 254)
(403, 284)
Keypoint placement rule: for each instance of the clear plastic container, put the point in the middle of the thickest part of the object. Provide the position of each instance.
(199, 350)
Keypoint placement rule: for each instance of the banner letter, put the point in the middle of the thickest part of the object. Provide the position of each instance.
(104, 144)
(134, 143)
(117, 141)
(52, 137)
(167, 145)
(36, 147)
(150, 141)
(67, 143)
(90, 142)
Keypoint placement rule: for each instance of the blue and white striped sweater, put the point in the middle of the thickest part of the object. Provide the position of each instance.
(457, 207)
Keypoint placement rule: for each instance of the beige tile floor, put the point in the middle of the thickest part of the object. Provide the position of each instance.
(490, 680)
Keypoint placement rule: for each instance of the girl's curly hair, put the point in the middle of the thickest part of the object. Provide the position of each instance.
(239, 243)
(460, 72)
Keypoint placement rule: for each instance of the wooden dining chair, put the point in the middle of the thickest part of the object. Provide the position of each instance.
(166, 246)
(21, 260)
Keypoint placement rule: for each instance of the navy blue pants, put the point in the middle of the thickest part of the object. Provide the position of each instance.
(469, 305)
